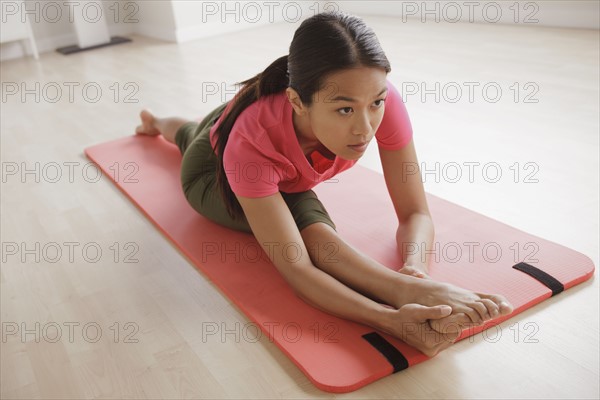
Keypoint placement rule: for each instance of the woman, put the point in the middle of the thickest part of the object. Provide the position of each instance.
(251, 163)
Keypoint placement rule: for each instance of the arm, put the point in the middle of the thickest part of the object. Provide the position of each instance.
(403, 180)
(271, 222)
(415, 228)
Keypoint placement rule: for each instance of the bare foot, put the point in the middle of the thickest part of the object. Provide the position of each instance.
(147, 127)
(478, 307)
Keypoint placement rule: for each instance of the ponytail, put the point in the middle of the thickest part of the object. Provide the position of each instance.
(272, 80)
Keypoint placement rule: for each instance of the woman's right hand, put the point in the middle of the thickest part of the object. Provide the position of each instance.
(411, 323)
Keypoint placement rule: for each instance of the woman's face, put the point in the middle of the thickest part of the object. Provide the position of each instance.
(348, 110)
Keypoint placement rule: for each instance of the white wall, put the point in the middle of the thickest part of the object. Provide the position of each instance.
(198, 19)
(569, 14)
(183, 20)
(170, 20)
(155, 19)
(52, 27)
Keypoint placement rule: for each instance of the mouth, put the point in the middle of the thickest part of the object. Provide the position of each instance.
(360, 147)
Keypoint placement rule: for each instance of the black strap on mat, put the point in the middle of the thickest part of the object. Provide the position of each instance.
(392, 354)
(548, 280)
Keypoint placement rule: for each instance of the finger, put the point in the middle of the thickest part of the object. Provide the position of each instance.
(452, 325)
(423, 313)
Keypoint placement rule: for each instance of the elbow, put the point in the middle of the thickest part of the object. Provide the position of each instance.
(299, 281)
(304, 297)
(300, 294)
(415, 217)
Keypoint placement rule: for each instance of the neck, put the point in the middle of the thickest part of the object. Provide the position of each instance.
(306, 138)
(308, 141)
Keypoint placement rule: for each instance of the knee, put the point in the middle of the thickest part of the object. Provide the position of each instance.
(315, 227)
(308, 210)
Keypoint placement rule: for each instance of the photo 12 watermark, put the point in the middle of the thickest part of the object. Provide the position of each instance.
(250, 173)
(251, 252)
(71, 92)
(493, 334)
(472, 252)
(66, 172)
(53, 12)
(492, 12)
(250, 332)
(69, 252)
(469, 91)
(471, 171)
(255, 12)
(71, 332)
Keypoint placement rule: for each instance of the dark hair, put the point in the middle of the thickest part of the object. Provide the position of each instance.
(323, 44)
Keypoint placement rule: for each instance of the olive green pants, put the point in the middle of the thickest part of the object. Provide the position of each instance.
(199, 181)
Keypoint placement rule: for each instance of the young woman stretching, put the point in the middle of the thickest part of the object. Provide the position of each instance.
(251, 163)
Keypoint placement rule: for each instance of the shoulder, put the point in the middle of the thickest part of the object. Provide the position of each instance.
(395, 130)
(393, 96)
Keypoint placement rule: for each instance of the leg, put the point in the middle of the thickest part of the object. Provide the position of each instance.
(198, 172)
(153, 126)
(330, 253)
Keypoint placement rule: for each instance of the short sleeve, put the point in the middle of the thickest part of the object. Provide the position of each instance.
(249, 172)
(395, 130)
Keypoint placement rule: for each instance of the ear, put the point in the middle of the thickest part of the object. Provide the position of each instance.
(295, 101)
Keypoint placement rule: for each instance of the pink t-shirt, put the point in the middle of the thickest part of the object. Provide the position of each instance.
(263, 155)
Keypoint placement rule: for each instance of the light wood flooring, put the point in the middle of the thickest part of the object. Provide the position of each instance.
(165, 299)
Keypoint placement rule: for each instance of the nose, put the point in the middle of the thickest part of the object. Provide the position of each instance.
(361, 126)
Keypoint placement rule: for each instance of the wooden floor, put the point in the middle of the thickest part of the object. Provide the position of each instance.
(90, 325)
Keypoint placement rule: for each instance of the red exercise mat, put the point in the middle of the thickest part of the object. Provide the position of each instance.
(476, 252)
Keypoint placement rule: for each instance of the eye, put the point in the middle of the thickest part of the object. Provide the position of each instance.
(349, 109)
(381, 102)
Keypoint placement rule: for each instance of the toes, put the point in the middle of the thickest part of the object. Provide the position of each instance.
(493, 309)
(504, 307)
(474, 310)
(146, 114)
(481, 309)
(474, 315)
(147, 126)
(142, 130)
